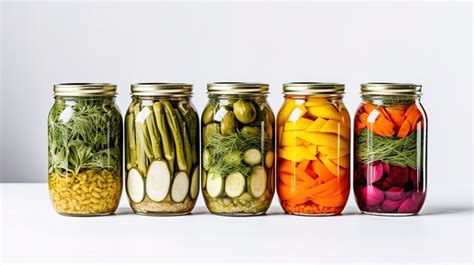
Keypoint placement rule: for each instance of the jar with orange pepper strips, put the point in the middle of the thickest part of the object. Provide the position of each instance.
(390, 141)
(313, 149)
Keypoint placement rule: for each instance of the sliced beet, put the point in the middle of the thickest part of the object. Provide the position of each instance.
(372, 195)
(412, 204)
(395, 193)
(414, 176)
(374, 172)
(399, 175)
(386, 168)
(390, 205)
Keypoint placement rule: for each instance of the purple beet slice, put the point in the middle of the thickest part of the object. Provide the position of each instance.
(390, 205)
(412, 204)
(372, 195)
(395, 193)
(374, 172)
(386, 168)
(398, 175)
(414, 176)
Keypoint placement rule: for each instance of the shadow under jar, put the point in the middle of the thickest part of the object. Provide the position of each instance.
(85, 150)
(390, 141)
(313, 149)
(162, 149)
(238, 149)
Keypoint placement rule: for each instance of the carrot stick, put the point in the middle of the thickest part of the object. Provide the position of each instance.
(303, 164)
(302, 175)
(322, 170)
(404, 130)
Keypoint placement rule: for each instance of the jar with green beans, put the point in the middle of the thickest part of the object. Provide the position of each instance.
(85, 150)
(162, 149)
(238, 149)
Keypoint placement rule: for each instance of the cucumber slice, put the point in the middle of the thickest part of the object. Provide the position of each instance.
(204, 178)
(206, 157)
(135, 186)
(258, 182)
(214, 183)
(158, 180)
(234, 184)
(253, 157)
(194, 191)
(180, 187)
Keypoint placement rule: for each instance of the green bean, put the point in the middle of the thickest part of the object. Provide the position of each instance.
(168, 148)
(132, 153)
(187, 145)
(190, 117)
(140, 144)
(175, 131)
(155, 138)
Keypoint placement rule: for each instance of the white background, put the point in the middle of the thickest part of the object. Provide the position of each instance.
(352, 43)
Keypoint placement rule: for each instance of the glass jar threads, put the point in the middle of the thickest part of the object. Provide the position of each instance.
(162, 151)
(85, 149)
(238, 149)
(313, 158)
(390, 149)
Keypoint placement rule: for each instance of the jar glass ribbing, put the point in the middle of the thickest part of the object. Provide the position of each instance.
(85, 150)
(238, 149)
(390, 144)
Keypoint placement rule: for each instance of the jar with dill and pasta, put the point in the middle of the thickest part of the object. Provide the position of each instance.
(85, 149)
(390, 143)
(238, 176)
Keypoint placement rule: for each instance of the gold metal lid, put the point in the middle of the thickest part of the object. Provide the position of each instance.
(162, 89)
(313, 88)
(395, 89)
(236, 88)
(84, 89)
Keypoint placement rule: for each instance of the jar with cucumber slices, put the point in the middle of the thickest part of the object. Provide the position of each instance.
(238, 149)
(85, 150)
(162, 149)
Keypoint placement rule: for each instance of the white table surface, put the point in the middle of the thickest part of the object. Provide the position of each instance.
(31, 231)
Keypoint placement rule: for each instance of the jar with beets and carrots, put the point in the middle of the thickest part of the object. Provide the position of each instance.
(313, 149)
(390, 150)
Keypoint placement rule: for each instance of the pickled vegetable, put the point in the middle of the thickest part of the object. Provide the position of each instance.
(84, 156)
(238, 156)
(313, 156)
(166, 156)
(388, 176)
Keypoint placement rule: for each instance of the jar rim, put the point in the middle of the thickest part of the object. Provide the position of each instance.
(313, 88)
(161, 89)
(84, 89)
(387, 88)
(226, 88)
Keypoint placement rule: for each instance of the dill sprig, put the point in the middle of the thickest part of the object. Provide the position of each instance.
(399, 152)
(225, 148)
(83, 134)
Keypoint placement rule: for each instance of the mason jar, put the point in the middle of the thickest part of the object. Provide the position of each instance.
(238, 149)
(390, 141)
(313, 158)
(162, 149)
(85, 149)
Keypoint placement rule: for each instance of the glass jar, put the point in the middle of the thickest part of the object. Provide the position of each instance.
(238, 150)
(162, 149)
(313, 158)
(390, 150)
(85, 150)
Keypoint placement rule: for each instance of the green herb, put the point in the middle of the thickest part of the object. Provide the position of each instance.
(390, 100)
(399, 152)
(84, 134)
(225, 147)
